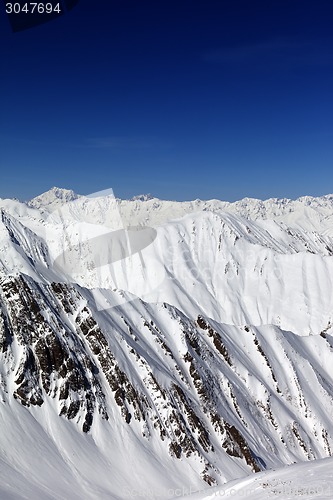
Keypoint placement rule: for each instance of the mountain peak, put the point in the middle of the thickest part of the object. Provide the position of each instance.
(142, 197)
(53, 198)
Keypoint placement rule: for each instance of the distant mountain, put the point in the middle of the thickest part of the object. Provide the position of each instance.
(142, 197)
(307, 212)
(196, 359)
(53, 198)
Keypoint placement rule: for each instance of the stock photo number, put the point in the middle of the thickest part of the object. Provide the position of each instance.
(33, 8)
(24, 15)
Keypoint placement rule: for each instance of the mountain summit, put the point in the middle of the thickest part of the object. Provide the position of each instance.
(52, 199)
(142, 197)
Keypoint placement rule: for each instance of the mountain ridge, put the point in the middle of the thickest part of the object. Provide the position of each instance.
(201, 358)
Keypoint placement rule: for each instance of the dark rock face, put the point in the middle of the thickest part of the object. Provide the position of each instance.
(53, 361)
(191, 396)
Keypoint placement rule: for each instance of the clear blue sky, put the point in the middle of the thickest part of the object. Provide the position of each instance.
(183, 99)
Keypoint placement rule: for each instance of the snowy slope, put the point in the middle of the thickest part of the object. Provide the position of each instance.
(310, 481)
(150, 346)
(205, 262)
(143, 387)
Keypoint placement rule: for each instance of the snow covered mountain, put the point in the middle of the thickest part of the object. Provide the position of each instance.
(53, 198)
(149, 347)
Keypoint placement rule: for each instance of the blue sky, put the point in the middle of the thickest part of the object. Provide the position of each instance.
(182, 99)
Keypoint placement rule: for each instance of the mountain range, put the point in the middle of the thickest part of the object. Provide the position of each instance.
(153, 348)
